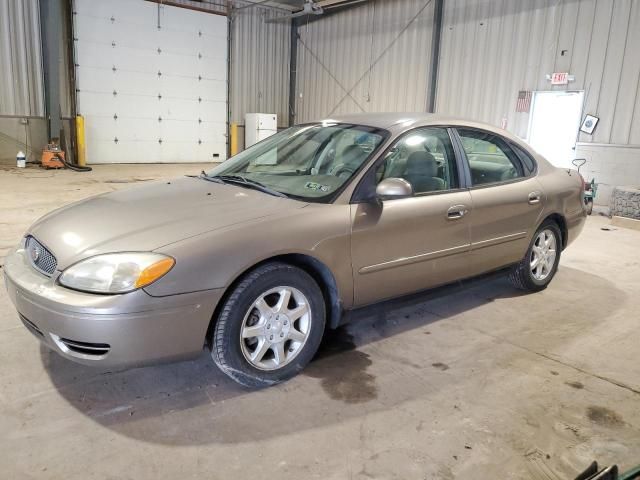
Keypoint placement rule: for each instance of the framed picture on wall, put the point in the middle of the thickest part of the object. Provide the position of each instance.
(589, 124)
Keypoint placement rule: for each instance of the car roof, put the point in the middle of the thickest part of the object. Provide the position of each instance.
(390, 119)
(400, 121)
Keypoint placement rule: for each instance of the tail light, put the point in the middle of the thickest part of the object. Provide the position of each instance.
(586, 186)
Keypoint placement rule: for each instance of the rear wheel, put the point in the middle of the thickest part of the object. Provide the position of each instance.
(589, 207)
(270, 326)
(536, 270)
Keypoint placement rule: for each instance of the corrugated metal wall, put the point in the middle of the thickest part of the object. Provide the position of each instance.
(491, 49)
(21, 86)
(372, 57)
(259, 63)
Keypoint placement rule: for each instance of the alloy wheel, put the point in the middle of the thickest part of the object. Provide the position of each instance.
(275, 328)
(543, 255)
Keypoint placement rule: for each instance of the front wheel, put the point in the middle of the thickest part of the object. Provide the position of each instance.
(536, 270)
(270, 326)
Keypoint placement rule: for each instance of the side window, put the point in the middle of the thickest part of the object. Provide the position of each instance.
(490, 158)
(424, 158)
(527, 162)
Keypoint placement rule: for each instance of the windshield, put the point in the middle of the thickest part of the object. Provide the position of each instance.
(310, 162)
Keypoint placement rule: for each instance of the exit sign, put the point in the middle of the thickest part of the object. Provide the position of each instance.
(559, 78)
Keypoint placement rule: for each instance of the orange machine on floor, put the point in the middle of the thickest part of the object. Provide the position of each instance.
(52, 156)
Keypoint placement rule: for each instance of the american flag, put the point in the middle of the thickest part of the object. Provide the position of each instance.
(524, 101)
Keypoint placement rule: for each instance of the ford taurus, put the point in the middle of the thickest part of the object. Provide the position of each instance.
(256, 258)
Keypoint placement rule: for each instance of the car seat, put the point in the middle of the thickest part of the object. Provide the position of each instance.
(422, 171)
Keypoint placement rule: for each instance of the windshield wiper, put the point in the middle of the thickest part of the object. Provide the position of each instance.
(240, 180)
(203, 175)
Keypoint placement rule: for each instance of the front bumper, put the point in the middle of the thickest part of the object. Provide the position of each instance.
(108, 330)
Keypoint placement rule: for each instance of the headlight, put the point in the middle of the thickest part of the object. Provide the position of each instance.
(116, 272)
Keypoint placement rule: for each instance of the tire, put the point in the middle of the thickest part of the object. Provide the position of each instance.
(590, 207)
(274, 349)
(523, 276)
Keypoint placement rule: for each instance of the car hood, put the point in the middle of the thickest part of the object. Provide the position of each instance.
(147, 217)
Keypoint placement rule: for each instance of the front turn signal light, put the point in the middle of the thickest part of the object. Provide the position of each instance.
(154, 272)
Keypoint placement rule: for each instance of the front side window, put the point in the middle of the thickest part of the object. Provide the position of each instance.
(490, 158)
(423, 157)
(309, 162)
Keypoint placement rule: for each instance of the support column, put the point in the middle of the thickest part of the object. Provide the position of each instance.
(438, 9)
(293, 70)
(51, 30)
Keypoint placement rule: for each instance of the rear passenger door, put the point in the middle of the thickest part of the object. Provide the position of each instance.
(507, 199)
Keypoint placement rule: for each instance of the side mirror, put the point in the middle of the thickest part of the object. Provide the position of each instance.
(392, 188)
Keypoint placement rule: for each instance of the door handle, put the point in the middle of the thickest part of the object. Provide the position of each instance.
(534, 198)
(457, 211)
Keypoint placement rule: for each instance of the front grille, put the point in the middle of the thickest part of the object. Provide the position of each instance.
(86, 348)
(41, 258)
(32, 327)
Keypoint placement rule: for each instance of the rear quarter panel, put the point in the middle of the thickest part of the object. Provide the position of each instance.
(564, 196)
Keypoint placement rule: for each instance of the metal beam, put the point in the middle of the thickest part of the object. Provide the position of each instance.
(263, 3)
(69, 45)
(293, 71)
(438, 9)
(213, 7)
(51, 28)
(230, 27)
(329, 3)
(330, 11)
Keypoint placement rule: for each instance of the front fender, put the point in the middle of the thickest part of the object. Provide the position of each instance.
(216, 259)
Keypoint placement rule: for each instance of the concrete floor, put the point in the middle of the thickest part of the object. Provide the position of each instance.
(472, 381)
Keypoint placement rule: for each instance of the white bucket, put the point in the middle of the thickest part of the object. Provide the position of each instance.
(21, 160)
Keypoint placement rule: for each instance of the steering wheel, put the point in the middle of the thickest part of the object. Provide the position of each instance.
(324, 160)
(341, 170)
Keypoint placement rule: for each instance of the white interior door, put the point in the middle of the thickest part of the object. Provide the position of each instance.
(152, 82)
(554, 124)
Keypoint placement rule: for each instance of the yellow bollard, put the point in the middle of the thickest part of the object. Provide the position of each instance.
(80, 141)
(234, 138)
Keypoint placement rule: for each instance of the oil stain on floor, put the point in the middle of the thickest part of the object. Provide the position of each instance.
(440, 366)
(343, 369)
(604, 417)
(576, 385)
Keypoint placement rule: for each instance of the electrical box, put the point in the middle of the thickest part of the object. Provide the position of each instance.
(258, 126)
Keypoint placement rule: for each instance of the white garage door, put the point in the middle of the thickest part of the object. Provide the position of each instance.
(152, 83)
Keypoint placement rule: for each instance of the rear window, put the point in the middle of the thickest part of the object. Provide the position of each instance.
(527, 162)
(490, 158)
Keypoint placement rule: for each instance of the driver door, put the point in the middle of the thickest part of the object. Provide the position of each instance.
(405, 245)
